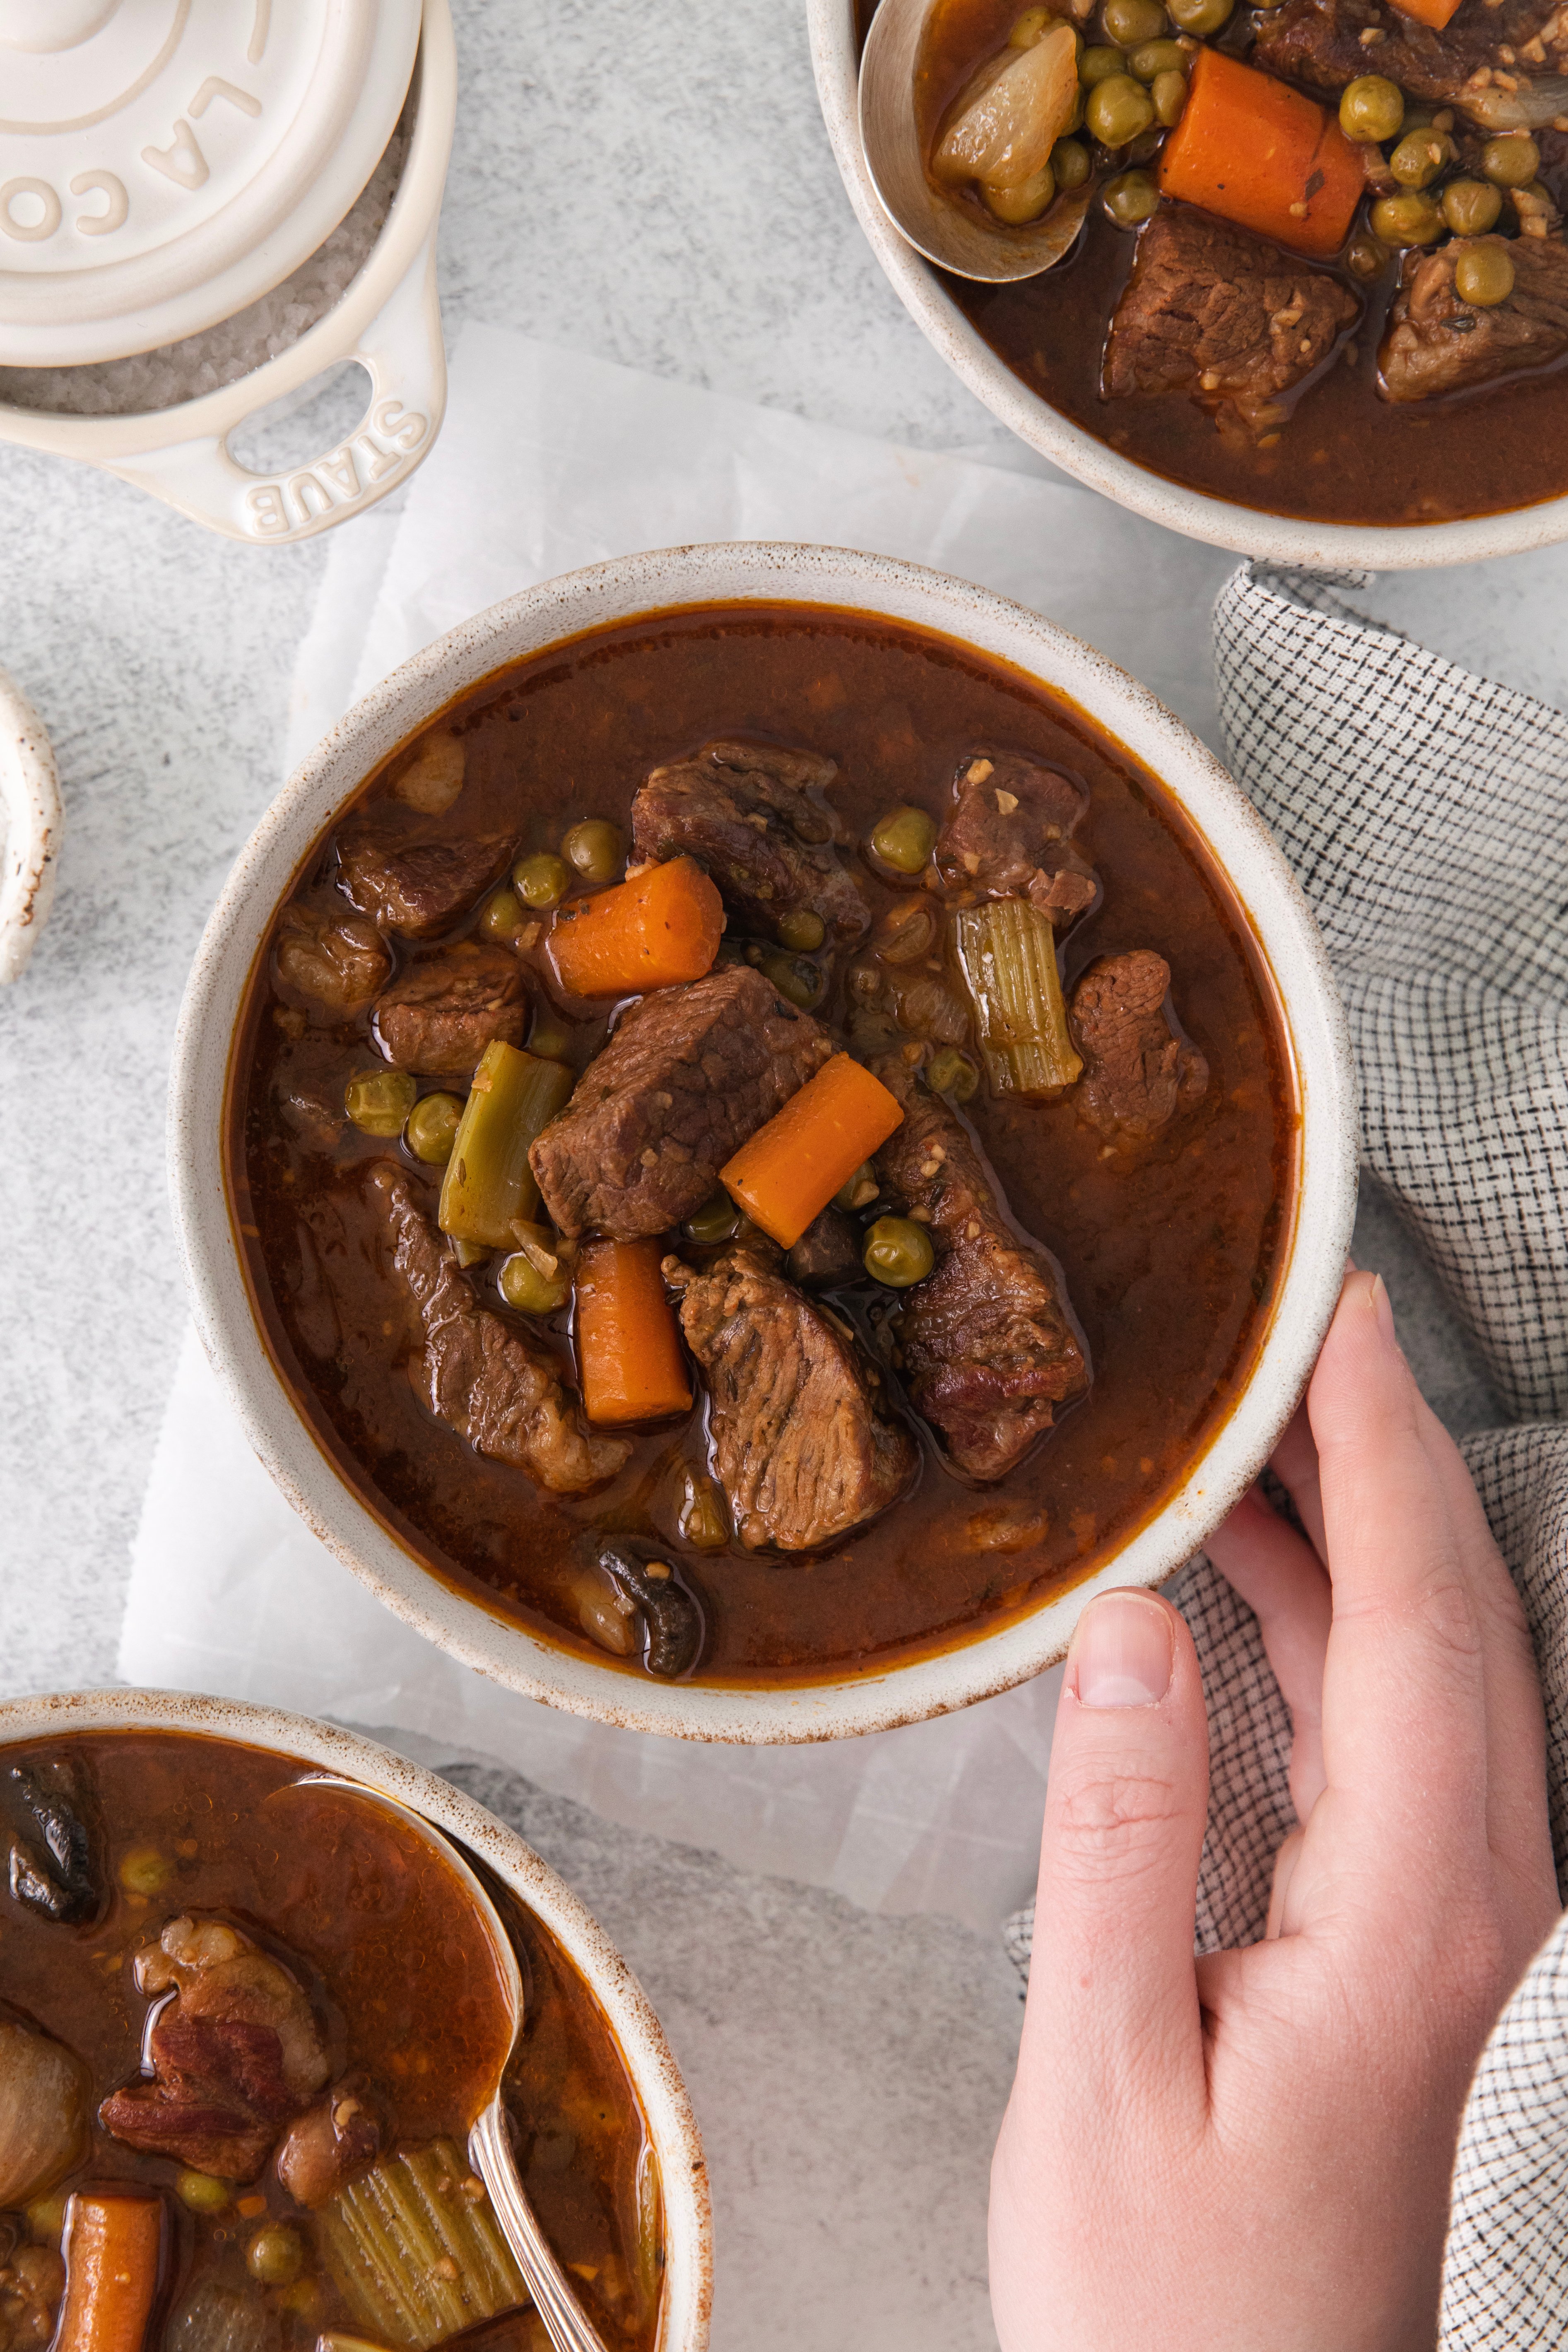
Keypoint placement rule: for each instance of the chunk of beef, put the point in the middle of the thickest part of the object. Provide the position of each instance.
(1006, 835)
(984, 1342)
(413, 882)
(803, 1443)
(1320, 42)
(235, 2052)
(688, 1076)
(827, 1254)
(440, 1014)
(1212, 310)
(1138, 1071)
(1439, 344)
(327, 2146)
(754, 815)
(32, 2281)
(478, 1373)
(336, 960)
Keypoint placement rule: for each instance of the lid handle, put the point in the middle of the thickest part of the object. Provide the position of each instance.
(403, 351)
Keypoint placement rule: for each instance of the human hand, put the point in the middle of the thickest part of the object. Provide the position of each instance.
(1251, 2152)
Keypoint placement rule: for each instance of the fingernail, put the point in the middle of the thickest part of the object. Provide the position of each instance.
(1121, 1652)
(1382, 1307)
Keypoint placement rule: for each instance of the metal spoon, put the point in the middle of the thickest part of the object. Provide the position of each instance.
(489, 2147)
(946, 231)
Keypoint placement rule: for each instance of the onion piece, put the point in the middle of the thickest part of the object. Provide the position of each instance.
(1011, 115)
(1530, 106)
(43, 2113)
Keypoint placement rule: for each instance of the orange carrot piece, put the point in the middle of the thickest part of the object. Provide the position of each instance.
(112, 2248)
(662, 926)
(1435, 13)
(791, 1169)
(629, 1348)
(1261, 154)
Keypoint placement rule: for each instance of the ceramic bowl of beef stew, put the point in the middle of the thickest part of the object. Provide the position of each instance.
(249, 2011)
(755, 1124)
(1311, 302)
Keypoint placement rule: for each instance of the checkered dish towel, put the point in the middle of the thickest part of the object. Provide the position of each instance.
(1425, 813)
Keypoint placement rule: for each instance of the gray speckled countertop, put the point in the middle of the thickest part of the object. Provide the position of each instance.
(656, 187)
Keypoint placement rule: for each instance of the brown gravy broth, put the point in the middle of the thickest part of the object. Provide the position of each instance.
(396, 1968)
(1169, 1261)
(1347, 454)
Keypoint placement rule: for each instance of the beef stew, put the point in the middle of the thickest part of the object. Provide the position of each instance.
(1322, 271)
(817, 1311)
(243, 2023)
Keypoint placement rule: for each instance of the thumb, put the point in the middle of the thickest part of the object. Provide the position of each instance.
(1112, 1988)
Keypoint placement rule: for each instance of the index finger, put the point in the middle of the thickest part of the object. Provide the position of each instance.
(1405, 1734)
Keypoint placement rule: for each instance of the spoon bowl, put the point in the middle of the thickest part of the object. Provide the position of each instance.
(490, 2143)
(948, 232)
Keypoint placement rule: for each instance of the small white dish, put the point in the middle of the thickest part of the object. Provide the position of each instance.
(30, 800)
(1288, 940)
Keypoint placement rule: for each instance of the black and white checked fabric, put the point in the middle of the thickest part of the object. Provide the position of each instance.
(1425, 812)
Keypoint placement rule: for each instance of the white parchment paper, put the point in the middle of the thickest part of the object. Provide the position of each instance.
(550, 460)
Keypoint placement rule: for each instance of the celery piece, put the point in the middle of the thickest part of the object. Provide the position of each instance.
(1007, 956)
(488, 1181)
(416, 2250)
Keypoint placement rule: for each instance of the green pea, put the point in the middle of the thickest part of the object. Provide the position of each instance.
(1070, 162)
(713, 1222)
(1471, 207)
(378, 1101)
(595, 848)
(548, 1039)
(1412, 217)
(531, 1292)
(951, 1072)
(904, 839)
(1511, 161)
(275, 2255)
(502, 915)
(1152, 57)
(202, 2193)
(1131, 199)
(1366, 255)
(802, 930)
(898, 1252)
(796, 978)
(145, 1871)
(1119, 109)
(1201, 17)
(1169, 92)
(1025, 203)
(1419, 157)
(1097, 65)
(1483, 274)
(1372, 109)
(541, 880)
(1128, 22)
(432, 1129)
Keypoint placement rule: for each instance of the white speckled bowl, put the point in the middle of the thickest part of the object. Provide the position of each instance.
(1240, 846)
(1282, 538)
(320, 1747)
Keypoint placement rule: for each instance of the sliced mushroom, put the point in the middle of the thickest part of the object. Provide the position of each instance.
(670, 1612)
(52, 1861)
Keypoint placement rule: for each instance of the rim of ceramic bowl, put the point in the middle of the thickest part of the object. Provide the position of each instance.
(1280, 539)
(646, 585)
(678, 2143)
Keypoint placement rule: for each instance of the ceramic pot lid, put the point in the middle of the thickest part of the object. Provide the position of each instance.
(163, 163)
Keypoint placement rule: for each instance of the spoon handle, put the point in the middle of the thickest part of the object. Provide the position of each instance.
(489, 2152)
